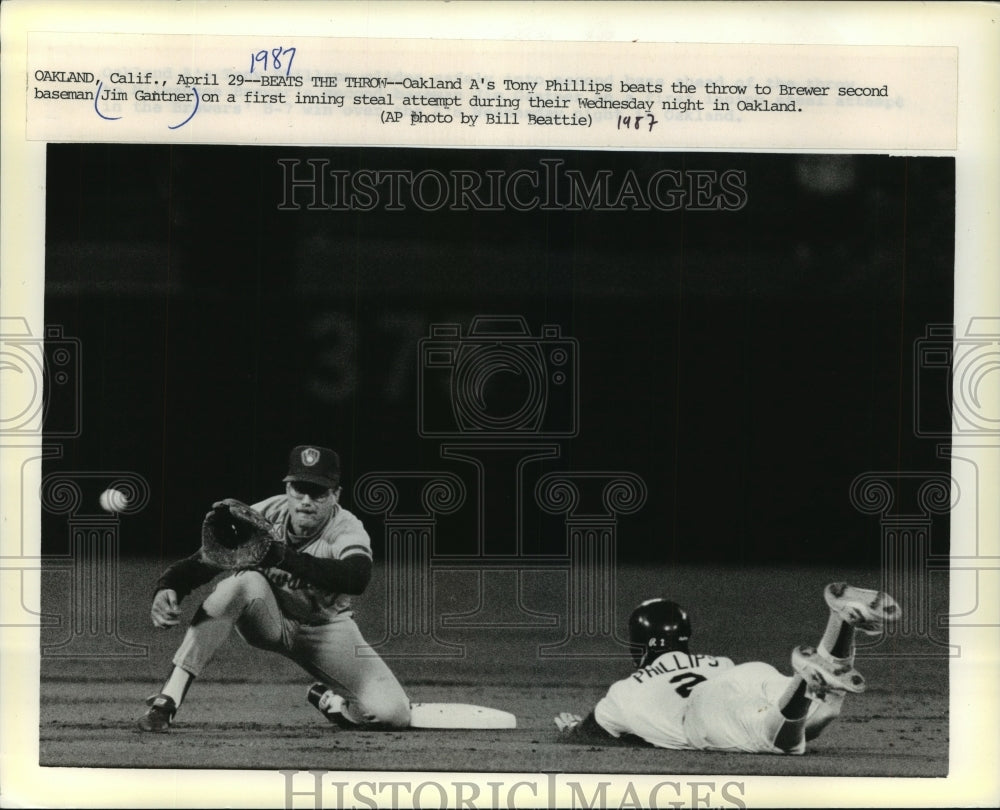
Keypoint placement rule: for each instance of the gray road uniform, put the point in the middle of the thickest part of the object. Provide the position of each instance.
(301, 609)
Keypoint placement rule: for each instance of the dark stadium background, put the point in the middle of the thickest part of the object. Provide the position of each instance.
(746, 365)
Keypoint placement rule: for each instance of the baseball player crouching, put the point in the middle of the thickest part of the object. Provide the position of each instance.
(685, 701)
(296, 601)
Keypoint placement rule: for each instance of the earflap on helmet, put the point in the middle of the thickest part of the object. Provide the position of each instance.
(655, 627)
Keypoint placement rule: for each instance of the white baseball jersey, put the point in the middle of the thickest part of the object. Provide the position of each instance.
(343, 536)
(651, 702)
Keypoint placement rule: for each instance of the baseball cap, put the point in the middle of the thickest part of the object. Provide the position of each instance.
(314, 465)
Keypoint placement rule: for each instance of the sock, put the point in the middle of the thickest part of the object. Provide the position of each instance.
(177, 684)
(838, 639)
(793, 704)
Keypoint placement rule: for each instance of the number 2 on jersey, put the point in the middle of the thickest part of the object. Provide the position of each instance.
(687, 681)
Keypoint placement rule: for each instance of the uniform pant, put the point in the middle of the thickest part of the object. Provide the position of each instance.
(738, 711)
(335, 653)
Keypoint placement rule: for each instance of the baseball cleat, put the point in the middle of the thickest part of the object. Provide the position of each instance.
(824, 675)
(329, 704)
(161, 711)
(865, 610)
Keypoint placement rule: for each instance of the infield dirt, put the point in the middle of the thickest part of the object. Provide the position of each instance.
(249, 711)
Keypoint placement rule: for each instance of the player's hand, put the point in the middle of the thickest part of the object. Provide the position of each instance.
(567, 722)
(274, 557)
(165, 611)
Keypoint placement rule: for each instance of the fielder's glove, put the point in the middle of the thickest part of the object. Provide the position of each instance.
(235, 536)
(567, 722)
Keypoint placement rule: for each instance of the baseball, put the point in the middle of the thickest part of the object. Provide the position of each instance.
(113, 500)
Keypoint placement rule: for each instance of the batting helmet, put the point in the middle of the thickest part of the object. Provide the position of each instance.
(655, 627)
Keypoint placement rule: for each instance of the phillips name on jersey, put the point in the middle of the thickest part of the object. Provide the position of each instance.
(673, 662)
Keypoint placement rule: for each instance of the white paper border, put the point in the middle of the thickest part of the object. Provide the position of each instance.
(970, 27)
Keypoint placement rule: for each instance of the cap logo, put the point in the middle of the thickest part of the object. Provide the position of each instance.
(310, 456)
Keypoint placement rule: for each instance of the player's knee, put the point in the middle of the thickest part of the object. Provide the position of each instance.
(238, 589)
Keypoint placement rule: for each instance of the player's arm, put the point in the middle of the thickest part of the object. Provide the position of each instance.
(588, 730)
(174, 584)
(187, 574)
(348, 575)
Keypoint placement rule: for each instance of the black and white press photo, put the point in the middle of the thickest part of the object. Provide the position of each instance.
(498, 405)
(526, 392)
